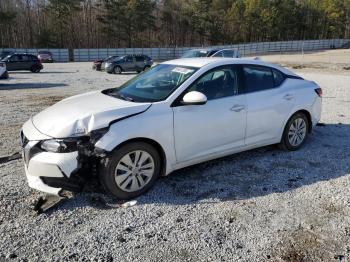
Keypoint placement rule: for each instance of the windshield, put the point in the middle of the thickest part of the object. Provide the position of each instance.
(110, 58)
(153, 85)
(5, 58)
(195, 53)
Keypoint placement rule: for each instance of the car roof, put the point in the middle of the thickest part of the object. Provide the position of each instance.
(22, 54)
(217, 61)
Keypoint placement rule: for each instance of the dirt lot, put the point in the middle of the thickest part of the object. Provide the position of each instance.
(261, 205)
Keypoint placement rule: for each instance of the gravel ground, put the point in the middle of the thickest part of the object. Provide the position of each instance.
(261, 205)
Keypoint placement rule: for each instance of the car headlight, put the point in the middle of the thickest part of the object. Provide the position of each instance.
(62, 145)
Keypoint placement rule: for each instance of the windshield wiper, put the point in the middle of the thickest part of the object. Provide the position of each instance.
(126, 98)
(121, 96)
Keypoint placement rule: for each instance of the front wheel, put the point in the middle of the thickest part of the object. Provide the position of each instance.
(295, 133)
(131, 170)
(117, 70)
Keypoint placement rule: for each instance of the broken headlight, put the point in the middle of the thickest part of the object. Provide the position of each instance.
(62, 145)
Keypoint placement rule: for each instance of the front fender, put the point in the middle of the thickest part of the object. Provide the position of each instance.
(154, 124)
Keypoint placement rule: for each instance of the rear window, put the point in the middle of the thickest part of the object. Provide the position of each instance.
(258, 78)
(278, 77)
(140, 58)
(26, 58)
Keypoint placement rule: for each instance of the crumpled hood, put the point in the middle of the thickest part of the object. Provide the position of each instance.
(78, 115)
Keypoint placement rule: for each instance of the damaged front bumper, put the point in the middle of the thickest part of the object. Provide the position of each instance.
(55, 172)
(49, 172)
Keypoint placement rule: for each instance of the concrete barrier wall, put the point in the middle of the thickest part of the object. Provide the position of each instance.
(249, 49)
(59, 55)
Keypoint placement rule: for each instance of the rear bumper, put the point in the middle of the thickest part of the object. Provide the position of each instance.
(316, 110)
(46, 60)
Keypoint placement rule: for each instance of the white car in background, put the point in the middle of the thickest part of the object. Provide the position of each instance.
(212, 52)
(179, 113)
(3, 72)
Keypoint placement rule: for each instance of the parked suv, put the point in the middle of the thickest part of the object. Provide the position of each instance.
(16, 62)
(128, 63)
(209, 52)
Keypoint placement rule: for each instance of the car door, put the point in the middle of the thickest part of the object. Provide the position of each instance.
(269, 102)
(217, 126)
(13, 63)
(26, 62)
(140, 63)
(128, 65)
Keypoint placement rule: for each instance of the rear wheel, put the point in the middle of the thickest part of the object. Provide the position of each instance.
(295, 133)
(146, 68)
(117, 70)
(5, 75)
(35, 69)
(131, 170)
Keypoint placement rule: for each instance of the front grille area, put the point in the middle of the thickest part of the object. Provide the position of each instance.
(24, 140)
(29, 150)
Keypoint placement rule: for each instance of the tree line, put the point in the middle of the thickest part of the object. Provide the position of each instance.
(167, 23)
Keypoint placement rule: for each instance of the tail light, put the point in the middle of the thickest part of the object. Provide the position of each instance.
(2, 64)
(319, 91)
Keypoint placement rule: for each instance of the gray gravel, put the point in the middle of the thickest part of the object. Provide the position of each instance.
(261, 205)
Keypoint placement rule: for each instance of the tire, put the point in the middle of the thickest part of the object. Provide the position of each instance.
(117, 70)
(295, 132)
(115, 166)
(146, 68)
(35, 69)
(5, 75)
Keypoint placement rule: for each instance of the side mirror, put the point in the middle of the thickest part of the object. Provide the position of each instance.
(194, 98)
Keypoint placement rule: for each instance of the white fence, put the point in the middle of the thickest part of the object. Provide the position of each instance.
(249, 49)
(59, 55)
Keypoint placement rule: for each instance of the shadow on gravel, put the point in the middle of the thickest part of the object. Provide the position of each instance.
(259, 172)
(29, 86)
(246, 175)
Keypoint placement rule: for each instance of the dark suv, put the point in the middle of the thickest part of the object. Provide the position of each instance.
(16, 62)
(128, 63)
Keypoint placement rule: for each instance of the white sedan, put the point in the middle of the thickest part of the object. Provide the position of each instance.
(179, 113)
(3, 72)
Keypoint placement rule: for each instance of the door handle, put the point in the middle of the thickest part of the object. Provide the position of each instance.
(288, 97)
(237, 108)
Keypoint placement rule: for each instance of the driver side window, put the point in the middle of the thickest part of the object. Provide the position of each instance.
(218, 83)
(14, 58)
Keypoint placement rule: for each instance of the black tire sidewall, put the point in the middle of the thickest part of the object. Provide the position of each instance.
(35, 69)
(285, 141)
(108, 168)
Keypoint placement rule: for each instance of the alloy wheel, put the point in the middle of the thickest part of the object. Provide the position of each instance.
(134, 170)
(297, 132)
